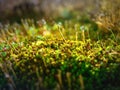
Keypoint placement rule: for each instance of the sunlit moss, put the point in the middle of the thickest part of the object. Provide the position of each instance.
(57, 60)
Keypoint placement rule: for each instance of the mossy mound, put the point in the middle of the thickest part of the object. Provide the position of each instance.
(58, 64)
(58, 56)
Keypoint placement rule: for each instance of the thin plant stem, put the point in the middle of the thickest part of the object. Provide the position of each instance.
(59, 28)
(83, 36)
(112, 34)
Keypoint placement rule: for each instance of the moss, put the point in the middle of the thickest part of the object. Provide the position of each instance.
(58, 60)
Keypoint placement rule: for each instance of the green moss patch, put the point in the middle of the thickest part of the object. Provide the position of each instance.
(58, 57)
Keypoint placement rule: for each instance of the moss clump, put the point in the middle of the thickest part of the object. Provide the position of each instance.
(46, 62)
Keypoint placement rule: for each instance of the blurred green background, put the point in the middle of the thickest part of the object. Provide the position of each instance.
(14, 10)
